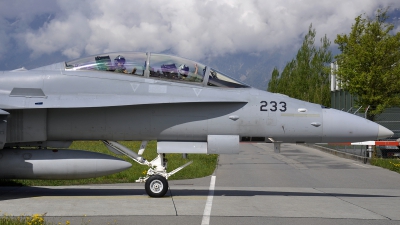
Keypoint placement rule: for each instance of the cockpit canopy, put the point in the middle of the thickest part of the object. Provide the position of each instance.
(157, 66)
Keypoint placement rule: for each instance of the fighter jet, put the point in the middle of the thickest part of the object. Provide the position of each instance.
(186, 106)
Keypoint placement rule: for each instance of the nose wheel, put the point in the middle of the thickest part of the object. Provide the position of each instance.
(156, 186)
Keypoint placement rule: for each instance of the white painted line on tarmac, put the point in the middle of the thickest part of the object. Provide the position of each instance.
(361, 165)
(207, 209)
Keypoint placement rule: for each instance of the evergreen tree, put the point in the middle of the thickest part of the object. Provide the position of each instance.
(273, 83)
(307, 76)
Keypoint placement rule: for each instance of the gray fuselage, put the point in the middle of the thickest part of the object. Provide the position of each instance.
(53, 104)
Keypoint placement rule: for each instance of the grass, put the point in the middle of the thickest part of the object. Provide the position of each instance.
(391, 164)
(35, 219)
(203, 165)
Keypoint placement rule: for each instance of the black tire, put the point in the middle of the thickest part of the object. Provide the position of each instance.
(156, 186)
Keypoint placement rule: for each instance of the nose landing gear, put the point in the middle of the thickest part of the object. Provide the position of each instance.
(156, 184)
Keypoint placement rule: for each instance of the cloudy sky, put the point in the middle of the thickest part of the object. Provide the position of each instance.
(36, 32)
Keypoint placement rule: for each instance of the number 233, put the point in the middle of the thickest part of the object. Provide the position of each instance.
(273, 106)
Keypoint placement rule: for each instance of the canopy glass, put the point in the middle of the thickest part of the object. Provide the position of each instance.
(157, 66)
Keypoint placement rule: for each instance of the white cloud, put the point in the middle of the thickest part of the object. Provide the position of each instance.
(190, 28)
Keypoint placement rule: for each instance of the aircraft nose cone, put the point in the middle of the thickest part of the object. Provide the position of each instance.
(383, 132)
(340, 126)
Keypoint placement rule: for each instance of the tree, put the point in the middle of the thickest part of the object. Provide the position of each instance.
(369, 65)
(306, 77)
(273, 83)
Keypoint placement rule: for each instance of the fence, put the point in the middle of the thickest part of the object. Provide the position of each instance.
(360, 151)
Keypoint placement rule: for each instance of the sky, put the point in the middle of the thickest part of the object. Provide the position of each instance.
(33, 33)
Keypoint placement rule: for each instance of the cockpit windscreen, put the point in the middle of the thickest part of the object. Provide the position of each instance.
(221, 80)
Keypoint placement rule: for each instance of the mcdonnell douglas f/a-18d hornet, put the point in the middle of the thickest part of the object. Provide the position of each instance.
(186, 106)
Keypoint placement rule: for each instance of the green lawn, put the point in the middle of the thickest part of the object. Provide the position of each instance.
(391, 164)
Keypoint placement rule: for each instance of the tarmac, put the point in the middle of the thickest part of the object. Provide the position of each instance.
(300, 185)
